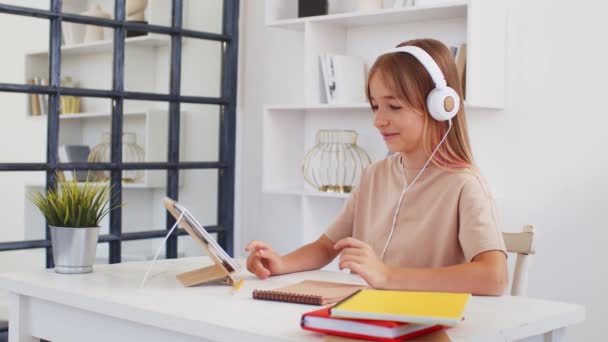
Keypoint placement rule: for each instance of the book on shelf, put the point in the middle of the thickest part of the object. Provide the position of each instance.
(321, 321)
(461, 66)
(34, 101)
(328, 83)
(460, 58)
(454, 51)
(42, 98)
(343, 78)
(404, 306)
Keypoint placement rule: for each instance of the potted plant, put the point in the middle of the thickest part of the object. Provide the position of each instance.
(74, 211)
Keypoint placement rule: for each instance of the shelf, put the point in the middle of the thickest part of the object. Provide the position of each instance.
(150, 41)
(362, 107)
(91, 115)
(307, 193)
(72, 116)
(386, 16)
(320, 107)
(124, 185)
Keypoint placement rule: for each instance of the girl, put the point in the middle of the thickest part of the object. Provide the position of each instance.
(422, 219)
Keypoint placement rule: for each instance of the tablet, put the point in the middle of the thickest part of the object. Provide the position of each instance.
(201, 233)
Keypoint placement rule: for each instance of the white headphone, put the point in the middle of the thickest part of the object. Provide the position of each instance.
(443, 102)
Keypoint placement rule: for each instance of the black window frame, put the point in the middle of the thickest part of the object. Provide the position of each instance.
(227, 127)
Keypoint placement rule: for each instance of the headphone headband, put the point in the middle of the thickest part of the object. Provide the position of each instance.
(426, 60)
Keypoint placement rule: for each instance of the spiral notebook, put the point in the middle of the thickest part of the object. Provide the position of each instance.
(310, 292)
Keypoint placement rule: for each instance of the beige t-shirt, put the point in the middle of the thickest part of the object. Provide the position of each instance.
(446, 218)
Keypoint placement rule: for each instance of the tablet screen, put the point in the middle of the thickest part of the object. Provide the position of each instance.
(202, 233)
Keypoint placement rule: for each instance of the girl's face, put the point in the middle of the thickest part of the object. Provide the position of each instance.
(400, 126)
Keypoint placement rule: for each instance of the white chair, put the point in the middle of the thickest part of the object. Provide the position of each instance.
(522, 244)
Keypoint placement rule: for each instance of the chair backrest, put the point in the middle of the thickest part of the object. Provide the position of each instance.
(522, 244)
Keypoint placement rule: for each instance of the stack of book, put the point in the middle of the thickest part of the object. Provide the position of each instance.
(38, 102)
(460, 57)
(381, 315)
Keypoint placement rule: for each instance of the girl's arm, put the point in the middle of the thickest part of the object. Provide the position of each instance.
(312, 256)
(264, 261)
(486, 274)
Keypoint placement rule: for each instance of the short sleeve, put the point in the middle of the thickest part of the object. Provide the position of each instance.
(478, 228)
(343, 224)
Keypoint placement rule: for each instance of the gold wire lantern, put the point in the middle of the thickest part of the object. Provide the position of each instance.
(335, 163)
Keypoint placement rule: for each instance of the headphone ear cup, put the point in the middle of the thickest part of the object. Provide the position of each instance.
(443, 103)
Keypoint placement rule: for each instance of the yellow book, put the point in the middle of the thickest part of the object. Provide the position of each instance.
(404, 306)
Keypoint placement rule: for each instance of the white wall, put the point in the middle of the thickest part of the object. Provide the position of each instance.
(544, 150)
(264, 64)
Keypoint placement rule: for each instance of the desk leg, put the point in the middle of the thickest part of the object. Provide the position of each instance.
(18, 319)
(555, 335)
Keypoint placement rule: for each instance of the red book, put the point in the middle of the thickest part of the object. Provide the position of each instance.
(320, 321)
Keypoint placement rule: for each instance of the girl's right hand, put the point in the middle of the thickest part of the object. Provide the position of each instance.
(263, 260)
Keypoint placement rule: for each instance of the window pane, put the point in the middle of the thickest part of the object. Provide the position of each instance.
(144, 210)
(155, 12)
(200, 197)
(23, 134)
(199, 131)
(147, 123)
(84, 135)
(201, 67)
(198, 192)
(203, 16)
(25, 57)
(147, 60)
(87, 62)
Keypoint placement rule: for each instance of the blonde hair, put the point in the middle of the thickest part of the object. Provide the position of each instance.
(411, 83)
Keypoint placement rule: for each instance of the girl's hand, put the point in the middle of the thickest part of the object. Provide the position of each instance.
(361, 259)
(263, 261)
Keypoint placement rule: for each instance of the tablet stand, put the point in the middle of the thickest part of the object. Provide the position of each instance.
(217, 271)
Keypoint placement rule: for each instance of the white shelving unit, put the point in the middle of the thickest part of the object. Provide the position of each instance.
(289, 129)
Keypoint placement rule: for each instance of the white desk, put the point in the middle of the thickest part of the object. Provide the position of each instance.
(107, 305)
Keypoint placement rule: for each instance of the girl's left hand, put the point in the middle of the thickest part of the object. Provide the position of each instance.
(361, 259)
